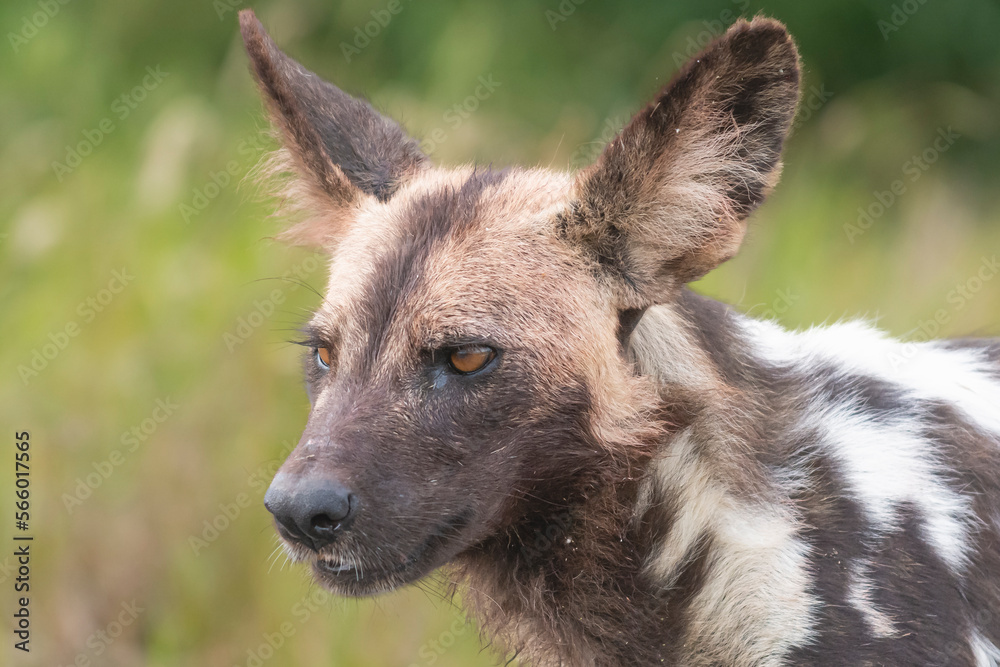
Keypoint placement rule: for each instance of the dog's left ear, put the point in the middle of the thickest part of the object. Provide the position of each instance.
(668, 199)
(340, 148)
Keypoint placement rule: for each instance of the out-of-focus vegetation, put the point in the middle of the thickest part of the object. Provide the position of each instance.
(138, 284)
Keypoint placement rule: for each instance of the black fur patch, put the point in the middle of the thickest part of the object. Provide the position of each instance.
(628, 320)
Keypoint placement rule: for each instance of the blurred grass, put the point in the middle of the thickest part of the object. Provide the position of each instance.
(561, 91)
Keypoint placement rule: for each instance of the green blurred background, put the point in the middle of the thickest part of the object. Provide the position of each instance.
(126, 491)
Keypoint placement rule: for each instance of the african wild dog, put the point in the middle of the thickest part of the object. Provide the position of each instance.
(508, 375)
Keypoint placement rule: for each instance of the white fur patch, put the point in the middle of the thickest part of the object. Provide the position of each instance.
(888, 463)
(859, 595)
(757, 574)
(661, 328)
(928, 371)
(887, 466)
(986, 654)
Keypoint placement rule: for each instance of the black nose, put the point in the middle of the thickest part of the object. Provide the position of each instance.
(312, 509)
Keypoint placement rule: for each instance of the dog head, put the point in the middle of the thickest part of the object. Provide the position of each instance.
(469, 360)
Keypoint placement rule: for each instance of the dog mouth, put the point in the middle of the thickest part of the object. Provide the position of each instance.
(354, 576)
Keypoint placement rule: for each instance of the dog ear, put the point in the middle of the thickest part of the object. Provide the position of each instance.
(668, 199)
(341, 150)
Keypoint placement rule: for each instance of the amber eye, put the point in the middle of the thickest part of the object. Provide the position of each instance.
(471, 358)
(323, 357)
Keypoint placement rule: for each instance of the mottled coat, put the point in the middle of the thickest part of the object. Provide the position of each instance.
(509, 376)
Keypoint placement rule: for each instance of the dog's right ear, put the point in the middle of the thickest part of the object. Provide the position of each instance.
(668, 199)
(341, 150)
